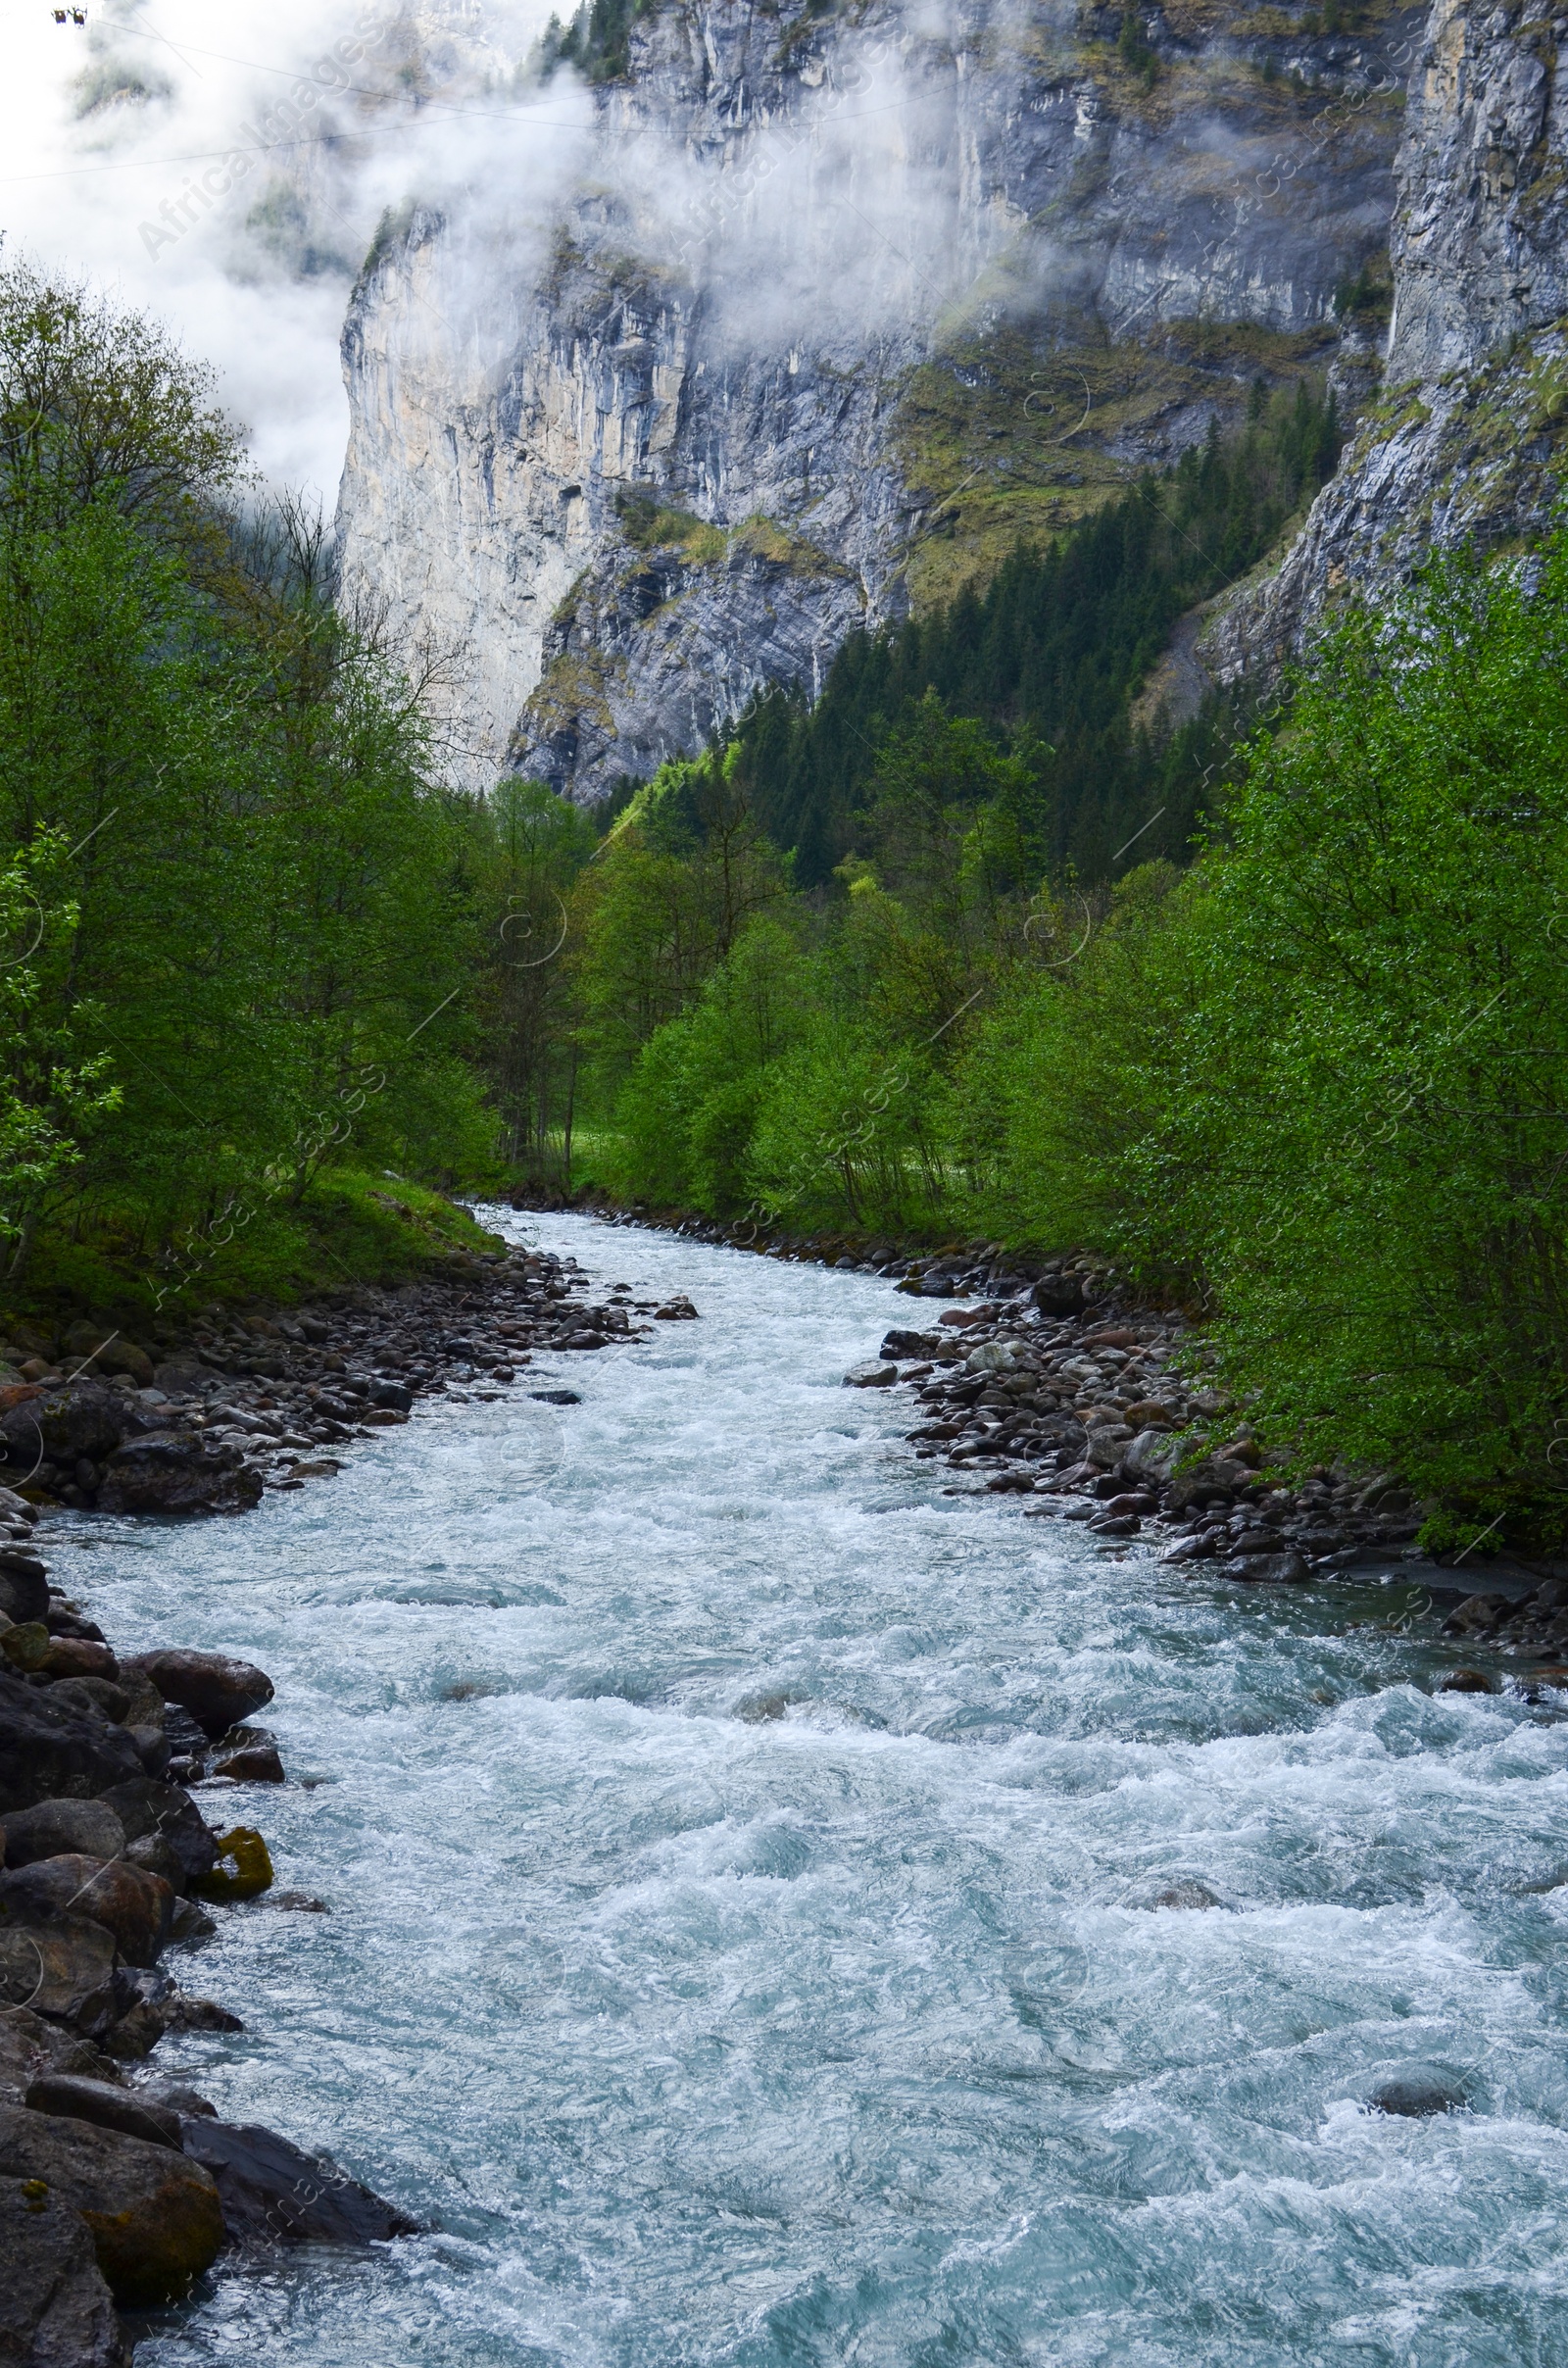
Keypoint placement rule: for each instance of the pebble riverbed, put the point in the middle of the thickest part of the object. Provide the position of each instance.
(782, 1912)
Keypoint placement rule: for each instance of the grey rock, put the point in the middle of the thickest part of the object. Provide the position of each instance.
(1417, 2099)
(217, 1690)
(23, 1587)
(1464, 446)
(133, 2113)
(50, 1749)
(150, 1809)
(52, 1826)
(249, 1755)
(1285, 1569)
(154, 2216)
(56, 2310)
(66, 1970)
(274, 2193)
(678, 472)
(84, 1419)
(136, 1906)
(176, 1472)
(901, 1343)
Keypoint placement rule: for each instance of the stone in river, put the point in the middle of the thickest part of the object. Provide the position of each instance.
(1466, 1681)
(76, 1656)
(250, 1756)
(556, 1397)
(218, 1692)
(56, 2310)
(1187, 1893)
(183, 2012)
(1287, 1570)
(154, 2216)
(176, 1472)
(243, 1869)
(273, 2194)
(870, 1377)
(903, 1342)
(1414, 2099)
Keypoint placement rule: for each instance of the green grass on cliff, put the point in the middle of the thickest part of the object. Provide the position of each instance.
(1011, 437)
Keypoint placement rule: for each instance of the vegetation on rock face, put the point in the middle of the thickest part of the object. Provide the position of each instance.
(1049, 659)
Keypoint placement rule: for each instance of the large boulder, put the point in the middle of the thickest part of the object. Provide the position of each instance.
(901, 1342)
(52, 1750)
(1059, 1295)
(165, 1816)
(55, 2309)
(1154, 1455)
(273, 2194)
(176, 1472)
(136, 1907)
(218, 1692)
(83, 1419)
(67, 1970)
(72, 2097)
(29, 2048)
(108, 1352)
(154, 2216)
(1205, 1478)
(24, 1585)
(52, 1826)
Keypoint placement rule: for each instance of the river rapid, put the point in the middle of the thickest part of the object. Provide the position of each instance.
(742, 1858)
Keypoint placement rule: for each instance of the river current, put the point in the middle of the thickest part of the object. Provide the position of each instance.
(741, 1858)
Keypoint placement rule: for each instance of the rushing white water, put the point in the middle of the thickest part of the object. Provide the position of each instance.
(848, 2032)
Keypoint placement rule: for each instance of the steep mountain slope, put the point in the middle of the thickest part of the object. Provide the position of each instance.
(1468, 439)
(821, 315)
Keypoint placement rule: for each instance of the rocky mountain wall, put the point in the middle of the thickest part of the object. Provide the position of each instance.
(820, 315)
(1467, 441)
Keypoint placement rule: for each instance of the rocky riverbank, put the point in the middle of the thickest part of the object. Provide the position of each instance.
(120, 2188)
(203, 1417)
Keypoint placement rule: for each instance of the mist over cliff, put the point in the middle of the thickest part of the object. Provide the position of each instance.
(792, 320)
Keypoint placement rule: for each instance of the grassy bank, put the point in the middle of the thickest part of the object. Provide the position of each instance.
(350, 1230)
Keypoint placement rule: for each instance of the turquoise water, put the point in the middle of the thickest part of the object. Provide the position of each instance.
(740, 1857)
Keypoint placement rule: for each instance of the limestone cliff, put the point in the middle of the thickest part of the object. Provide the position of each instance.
(828, 311)
(1468, 438)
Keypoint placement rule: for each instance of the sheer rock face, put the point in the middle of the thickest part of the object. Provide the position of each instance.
(659, 451)
(1464, 443)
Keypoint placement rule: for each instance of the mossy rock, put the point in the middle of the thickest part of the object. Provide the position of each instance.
(25, 1644)
(244, 1868)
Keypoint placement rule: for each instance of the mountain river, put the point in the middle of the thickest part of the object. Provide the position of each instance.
(743, 1858)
